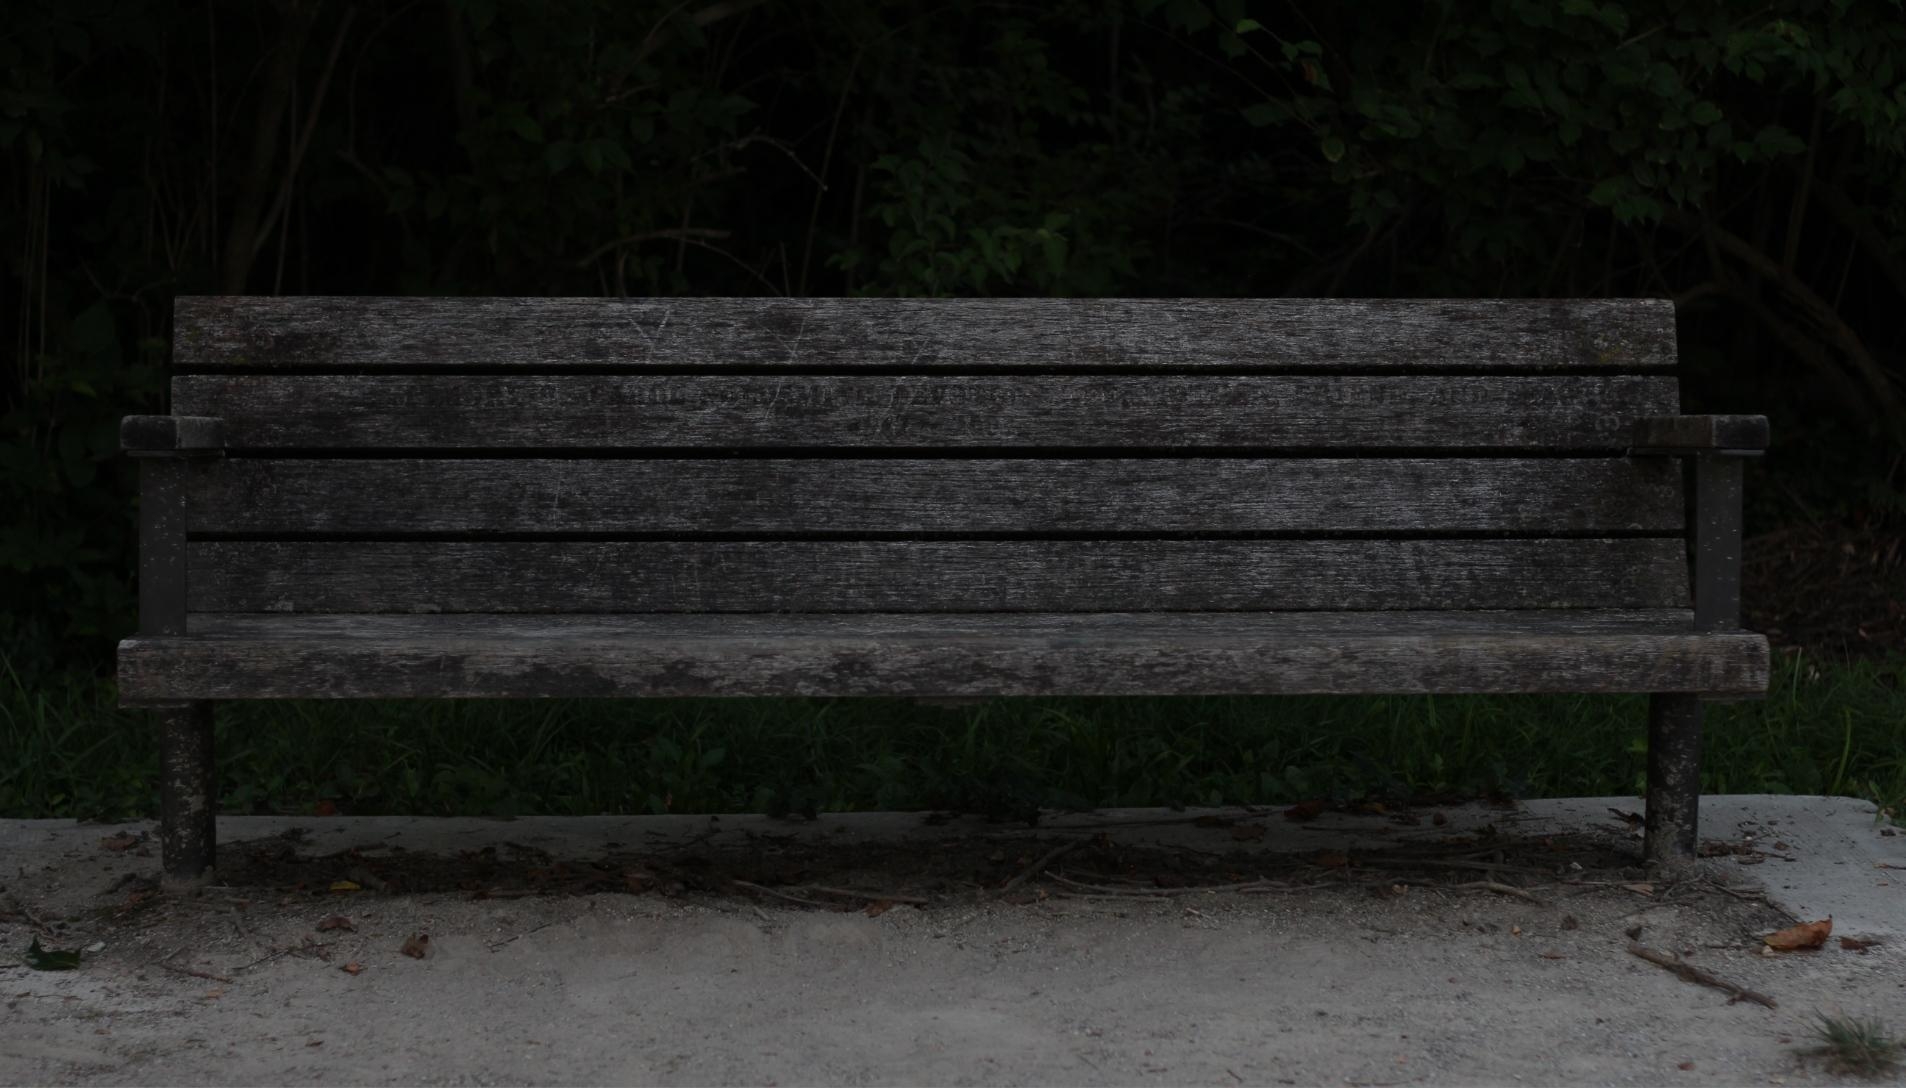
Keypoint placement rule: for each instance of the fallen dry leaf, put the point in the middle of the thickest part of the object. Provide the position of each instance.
(1552, 954)
(324, 808)
(1331, 861)
(122, 841)
(345, 885)
(1855, 944)
(1438, 819)
(878, 907)
(1804, 935)
(352, 968)
(336, 921)
(1569, 922)
(1640, 889)
(1248, 832)
(416, 946)
(1304, 810)
(1213, 821)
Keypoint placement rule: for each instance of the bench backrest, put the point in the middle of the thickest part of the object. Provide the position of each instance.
(893, 455)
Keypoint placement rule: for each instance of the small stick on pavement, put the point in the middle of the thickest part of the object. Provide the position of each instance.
(1039, 866)
(1695, 974)
(872, 897)
(194, 972)
(1478, 886)
(777, 894)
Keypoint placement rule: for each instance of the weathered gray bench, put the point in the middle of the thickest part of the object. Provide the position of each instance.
(479, 498)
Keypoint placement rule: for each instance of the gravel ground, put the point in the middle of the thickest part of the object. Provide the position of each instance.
(1433, 946)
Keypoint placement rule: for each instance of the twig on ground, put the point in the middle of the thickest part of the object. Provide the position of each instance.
(267, 958)
(1479, 886)
(1752, 897)
(1694, 974)
(305, 947)
(1436, 863)
(778, 894)
(1167, 893)
(533, 929)
(194, 972)
(1039, 866)
(26, 912)
(871, 897)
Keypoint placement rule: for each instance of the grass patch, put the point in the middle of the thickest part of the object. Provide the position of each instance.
(1833, 729)
(1858, 1047)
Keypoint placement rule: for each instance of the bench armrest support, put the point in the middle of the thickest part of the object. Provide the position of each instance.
(169, 449)
(172, 436)
(1713, 446)
(1738, 436)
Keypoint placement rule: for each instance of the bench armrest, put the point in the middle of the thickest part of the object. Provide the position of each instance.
(171, 436)
(1713, 446)
(1738, 436)
(170, 449)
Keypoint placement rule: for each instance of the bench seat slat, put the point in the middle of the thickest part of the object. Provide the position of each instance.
(934, 576)
(593, 411)
(261, 333)
(491, 656)
(828, 495)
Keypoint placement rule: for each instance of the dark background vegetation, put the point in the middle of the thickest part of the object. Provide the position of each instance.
(1744, 159)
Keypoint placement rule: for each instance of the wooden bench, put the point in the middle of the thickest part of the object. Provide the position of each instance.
(522, 498)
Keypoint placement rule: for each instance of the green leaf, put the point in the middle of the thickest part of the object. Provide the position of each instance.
(1264, 113)
(1775, 140)
(47, 959)
(1332, 147)
(1704, 113)
(1608, 190)
(1245, 26)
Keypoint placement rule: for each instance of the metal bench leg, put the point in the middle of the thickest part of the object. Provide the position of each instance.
(187, 793)
(1674, 779)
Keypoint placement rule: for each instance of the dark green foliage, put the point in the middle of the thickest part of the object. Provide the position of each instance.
(1850, 1045)
(47, 959)
(1743, 159)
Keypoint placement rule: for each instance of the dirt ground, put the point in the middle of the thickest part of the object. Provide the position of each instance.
(1433, 946)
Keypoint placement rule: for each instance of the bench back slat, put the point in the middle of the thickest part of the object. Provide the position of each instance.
(935, 576)
(1513, 335)
(618, 412)
(603, 456)
(870, 496)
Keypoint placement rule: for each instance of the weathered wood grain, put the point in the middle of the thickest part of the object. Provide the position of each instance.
(581, 411)
(1063, 626)
(1693, 434)
(937, 576)
(257, 657)
(828, 495)
(255, 332)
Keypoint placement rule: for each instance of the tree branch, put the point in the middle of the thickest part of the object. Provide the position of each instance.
(241, 233)
(1880, 385)
(278, 204)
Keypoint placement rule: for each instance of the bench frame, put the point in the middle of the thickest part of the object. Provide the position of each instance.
(1712, 448)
